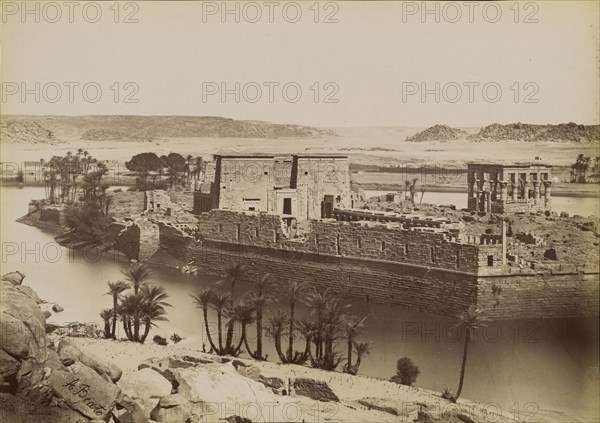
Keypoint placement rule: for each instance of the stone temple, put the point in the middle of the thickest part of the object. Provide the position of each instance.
(497, 188)
(300, 187)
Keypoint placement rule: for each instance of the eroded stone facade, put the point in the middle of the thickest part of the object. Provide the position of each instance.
(516, 188)
(300, 187)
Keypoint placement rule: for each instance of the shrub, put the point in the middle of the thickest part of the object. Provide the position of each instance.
(448, 395)
(406, 372)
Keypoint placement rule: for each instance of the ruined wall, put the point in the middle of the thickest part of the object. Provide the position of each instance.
(414, 287)
(384, 279)
(253, 228)
(127, 239)
(53, 215)
(149, 239)
(541, 295)
(355, 239)
(126, 204)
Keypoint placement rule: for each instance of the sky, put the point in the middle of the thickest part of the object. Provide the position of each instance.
(330, 64)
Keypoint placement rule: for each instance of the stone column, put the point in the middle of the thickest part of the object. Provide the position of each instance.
(503, 191)
(515, 187)
(525, 190)
(536, 191)
(547, 193)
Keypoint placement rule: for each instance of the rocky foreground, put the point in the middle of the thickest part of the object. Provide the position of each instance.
(47, 375)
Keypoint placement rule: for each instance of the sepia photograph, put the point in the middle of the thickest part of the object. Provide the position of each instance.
(300, 211)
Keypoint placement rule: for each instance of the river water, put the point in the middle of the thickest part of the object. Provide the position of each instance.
(552, 364)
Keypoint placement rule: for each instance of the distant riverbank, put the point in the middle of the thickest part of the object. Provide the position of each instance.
(558, 189)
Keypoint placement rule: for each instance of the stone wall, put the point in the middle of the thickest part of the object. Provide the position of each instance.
(415, 287)
(330, 255)
(127, 238)
(126, 204)
(539, 295)
(380, 241)
(149, 239)
(52, 215)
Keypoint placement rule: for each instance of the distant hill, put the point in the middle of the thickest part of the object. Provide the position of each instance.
(438, 133)
(564, 132)
(146, 128)
(26, 131)
(533, 133)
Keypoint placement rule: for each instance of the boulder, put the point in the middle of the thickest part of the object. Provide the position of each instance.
(220, 384)
(22, 410)
(132, 410)
(22, 339)
(70, 353)
(164, 365)
(172, 408)
(314, 389)
(146, 386)
(85, 391)
(57, 309)
(16, 278)
(47, 314)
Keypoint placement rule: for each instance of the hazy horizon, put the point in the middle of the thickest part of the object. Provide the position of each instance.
(185, 59)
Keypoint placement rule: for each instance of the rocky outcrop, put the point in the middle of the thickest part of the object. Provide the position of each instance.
(564, 132)
(85, 391)
(172, 408)
(70, 354)
(16, 278)
(64, 385)
(220, 383)
(438, 133)
(22, 339)
(146, 387)
(314, 389)
(26, 131)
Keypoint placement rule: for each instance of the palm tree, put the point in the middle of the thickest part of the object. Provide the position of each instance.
(221, 302)
(106, 314)
(203, 299)
(243, 313)
(468, 320)
(362, 349)
(275, 330)
(293, 291)
(259, 298)
(153, 308)
(234, 273)
(115, 289)
(308, 330)
(130, 308)
(330, 311)
(351, 327)
(138, 274)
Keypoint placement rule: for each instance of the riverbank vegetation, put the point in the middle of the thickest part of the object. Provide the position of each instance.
(139, 310)
(330, 321)
(330, 334)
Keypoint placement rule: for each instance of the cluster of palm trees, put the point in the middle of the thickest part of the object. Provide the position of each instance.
(138, 310)
(580, 168)
(331, 322)
(179, 171)
(75, 177)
